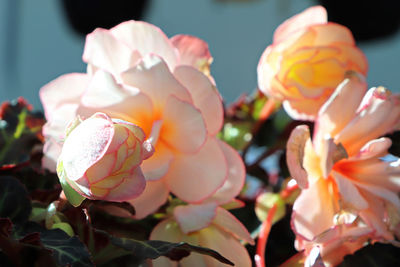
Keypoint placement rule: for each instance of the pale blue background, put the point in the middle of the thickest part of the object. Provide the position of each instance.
(37, 45)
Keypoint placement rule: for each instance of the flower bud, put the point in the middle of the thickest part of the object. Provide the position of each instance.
(101, 158)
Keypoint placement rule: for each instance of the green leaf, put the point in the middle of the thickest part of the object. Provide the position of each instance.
(21, 250)
(73, 197)
(382, 255)
(265, 202)
(153, 249)
(66, 250)
(14, 201)
(20, 131)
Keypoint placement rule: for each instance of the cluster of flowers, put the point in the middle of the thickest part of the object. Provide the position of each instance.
(151, 113)
(142, 124)
(349, 182)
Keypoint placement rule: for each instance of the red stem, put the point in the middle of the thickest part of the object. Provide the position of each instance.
(263, 237)
(266, 228)
(288, 191)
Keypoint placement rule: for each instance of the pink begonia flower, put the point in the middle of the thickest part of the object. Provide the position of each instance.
(204, 225)
(101, 158)
(343, 170)
(135, 73)
(306, 61)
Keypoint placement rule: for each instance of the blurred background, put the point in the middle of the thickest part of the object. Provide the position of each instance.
(41, 40)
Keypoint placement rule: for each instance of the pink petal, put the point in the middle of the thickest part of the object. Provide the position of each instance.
(152, 77)
(154, 195)
(183, 126)
(205, 97)
(104, 51)
(313, 210)
(378, 114)
(192, 50)
(226, 245)
(349, 193)
(131, 187)
(295, 154)
(167, 230)
(327, 34)
(374, 148)
(304, 109)
(229, 223)
(130, 127)
(310, 16)
(329, 154)
(164, 262)
(194, 260)
(54, 132)
(236, 176)
(266, 72)
(381, 192)
(65, 89)
(369, 165)
(51, 151)
(194, 177)
(341, 107)
(376, 217)
(195, 217)
(158, 164)
(147, 39)
(106, 95)
(86, 145)
(103, 90)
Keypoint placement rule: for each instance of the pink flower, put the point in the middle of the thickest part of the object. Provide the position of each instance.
(306, 61)
(344, 169)
(101, 158)
(137, 74)
(204, 225)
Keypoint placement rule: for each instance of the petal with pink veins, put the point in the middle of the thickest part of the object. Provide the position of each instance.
(183, 126)
(205, 97)
(130, 188)
(152, 77)
(78, 153)
(154, 195)
(147, 39)
(195, 217)
(195, 177)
